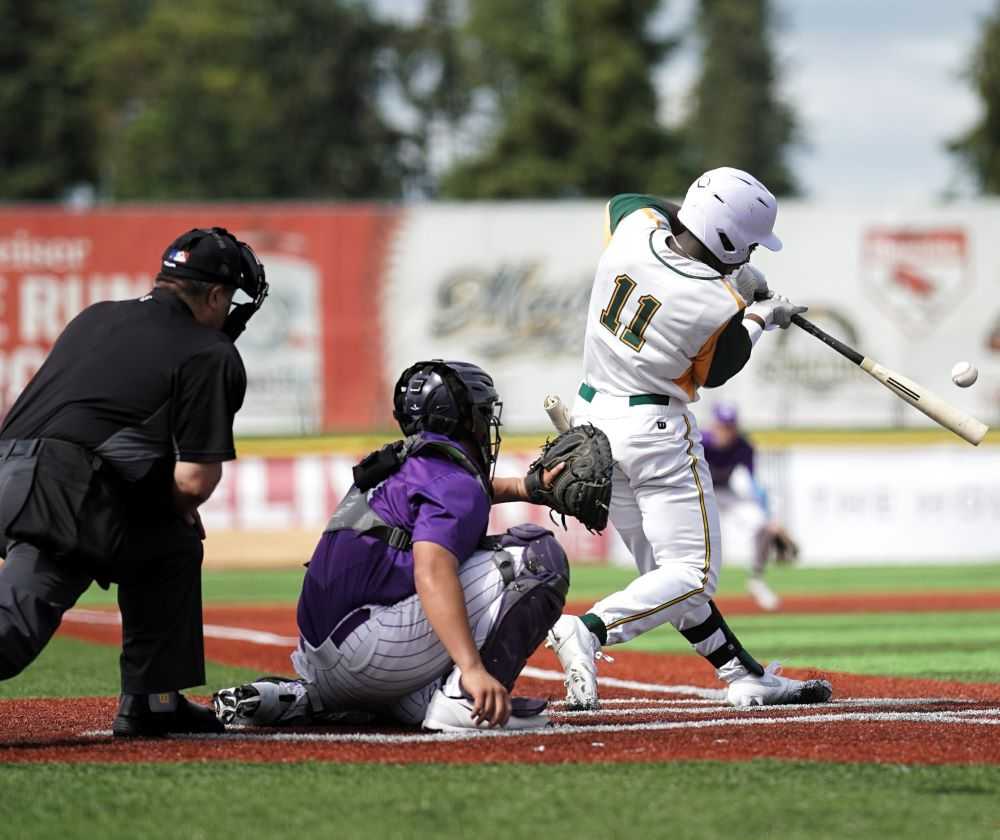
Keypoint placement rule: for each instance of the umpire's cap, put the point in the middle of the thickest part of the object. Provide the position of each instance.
(213, 255)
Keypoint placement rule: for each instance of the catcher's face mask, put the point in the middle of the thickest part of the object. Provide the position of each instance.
(446, 397)
(486, 425)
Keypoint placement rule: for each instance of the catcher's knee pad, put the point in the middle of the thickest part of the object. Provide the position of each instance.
(732, 646)
(532, 601)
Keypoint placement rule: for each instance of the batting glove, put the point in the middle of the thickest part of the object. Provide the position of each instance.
(750, 283)
(775, 312)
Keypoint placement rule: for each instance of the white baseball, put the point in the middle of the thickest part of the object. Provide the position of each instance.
(963, 374)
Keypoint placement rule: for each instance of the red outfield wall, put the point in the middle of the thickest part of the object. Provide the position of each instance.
(314, 356)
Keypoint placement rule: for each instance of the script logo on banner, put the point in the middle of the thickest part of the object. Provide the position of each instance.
(510, 310)
(917, 275)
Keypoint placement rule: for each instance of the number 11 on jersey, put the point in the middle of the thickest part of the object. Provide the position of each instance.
(633, 335)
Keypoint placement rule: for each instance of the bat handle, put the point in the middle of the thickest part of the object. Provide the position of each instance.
(556, 409)
(844, 350)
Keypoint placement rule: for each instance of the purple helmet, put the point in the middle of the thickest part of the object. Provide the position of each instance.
(726, 414)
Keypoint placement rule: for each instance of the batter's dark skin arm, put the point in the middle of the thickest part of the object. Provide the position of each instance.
(732, 351)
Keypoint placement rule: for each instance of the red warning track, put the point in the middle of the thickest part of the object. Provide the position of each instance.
(657, 708)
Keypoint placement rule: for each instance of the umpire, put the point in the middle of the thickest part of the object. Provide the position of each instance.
(104, 460)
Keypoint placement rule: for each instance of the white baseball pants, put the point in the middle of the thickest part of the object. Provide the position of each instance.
(663, 506)
(394, 661)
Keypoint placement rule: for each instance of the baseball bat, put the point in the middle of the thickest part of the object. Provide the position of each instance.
(962, 424)
(556, 409)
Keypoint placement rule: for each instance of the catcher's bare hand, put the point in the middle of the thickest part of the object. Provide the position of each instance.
(548, 476)
(490, 700)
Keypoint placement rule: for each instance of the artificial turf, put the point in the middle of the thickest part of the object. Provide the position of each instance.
(73, 668)
(757, 799)
(592, 582)
(679, 800)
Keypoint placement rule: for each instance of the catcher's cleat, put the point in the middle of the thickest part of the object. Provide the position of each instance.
(267, 701)
(577, 649)
(454, 714)
(774, 690)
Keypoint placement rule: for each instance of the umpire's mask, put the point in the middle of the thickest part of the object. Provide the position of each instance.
(214, 255)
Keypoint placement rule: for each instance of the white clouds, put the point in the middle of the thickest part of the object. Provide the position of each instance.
(879, 92)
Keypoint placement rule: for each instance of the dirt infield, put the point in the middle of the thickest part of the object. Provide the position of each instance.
(655, 708)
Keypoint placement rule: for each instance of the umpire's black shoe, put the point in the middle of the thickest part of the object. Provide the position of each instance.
(135, 720)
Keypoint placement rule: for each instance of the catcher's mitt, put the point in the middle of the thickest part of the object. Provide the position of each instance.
(583, 488)
(785, 549)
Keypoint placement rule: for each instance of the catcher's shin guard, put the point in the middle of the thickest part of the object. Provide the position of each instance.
(532, 601)
(731, 648)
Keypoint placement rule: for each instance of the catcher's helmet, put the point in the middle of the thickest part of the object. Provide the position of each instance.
(448, 398)
(729, 212)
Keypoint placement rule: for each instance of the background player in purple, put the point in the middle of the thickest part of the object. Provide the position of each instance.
(743, 503)
(408, 610)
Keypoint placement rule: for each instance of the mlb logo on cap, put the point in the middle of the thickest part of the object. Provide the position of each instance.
(174, 257)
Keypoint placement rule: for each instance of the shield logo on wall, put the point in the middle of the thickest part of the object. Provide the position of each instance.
(916, 275)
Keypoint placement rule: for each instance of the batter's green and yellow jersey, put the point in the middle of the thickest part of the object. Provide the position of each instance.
(655, 316)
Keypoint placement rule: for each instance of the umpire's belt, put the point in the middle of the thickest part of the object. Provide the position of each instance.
(588, 392)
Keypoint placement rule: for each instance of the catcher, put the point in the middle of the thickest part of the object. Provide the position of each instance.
(409, 611)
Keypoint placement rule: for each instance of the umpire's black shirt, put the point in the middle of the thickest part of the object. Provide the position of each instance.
(142, 384)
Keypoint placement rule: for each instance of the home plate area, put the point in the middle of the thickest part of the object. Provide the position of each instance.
(654, 707)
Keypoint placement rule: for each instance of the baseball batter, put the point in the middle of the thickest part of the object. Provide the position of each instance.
(407, 609)
(668, 315)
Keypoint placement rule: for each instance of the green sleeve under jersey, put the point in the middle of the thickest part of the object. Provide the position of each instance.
(621, 205)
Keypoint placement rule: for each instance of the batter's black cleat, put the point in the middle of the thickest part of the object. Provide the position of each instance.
(135, 720)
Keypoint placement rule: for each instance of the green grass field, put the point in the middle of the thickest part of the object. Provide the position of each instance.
(675, 800)
(760, 799)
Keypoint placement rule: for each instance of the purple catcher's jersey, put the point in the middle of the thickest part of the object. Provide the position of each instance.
(435, 499)
(723, 460)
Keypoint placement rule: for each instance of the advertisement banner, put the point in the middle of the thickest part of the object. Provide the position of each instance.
(507, 285)
(843, 505)
(269, 494)
(504, 285)
(308, 352)
(359, 292)
(937, 504)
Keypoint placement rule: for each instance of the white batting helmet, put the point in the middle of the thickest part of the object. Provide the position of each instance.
(729, 211)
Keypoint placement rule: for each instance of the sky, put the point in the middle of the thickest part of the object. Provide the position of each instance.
(877, 86)
(878, 89)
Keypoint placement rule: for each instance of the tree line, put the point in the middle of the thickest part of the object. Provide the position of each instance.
(329, 99)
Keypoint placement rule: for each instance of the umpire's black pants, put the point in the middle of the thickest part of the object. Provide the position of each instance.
(159, 594)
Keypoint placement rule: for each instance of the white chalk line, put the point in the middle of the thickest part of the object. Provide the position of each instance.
(560, 730)
(638, 705)
(212, 631)
(259, 637)
(662, 703)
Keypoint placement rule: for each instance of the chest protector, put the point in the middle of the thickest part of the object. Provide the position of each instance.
(356, 514)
